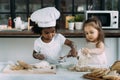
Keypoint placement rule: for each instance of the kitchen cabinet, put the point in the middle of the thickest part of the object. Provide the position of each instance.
(13, 49)
(118, 45)
(24, 8)
(19, 44)
(111, 45)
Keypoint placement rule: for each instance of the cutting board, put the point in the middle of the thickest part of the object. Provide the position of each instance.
(32, 71)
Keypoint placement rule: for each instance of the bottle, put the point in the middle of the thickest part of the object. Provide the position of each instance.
(28, 23)
(9, 23)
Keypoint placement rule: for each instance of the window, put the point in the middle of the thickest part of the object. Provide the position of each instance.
(70, 8)
(4, 11)
(24, 8)
(114, 4)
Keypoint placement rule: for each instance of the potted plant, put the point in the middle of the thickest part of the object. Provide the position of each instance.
(79, 18)
(71, 20)
(71, 24)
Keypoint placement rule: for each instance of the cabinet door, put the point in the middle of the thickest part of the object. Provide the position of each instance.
(95, 4)
(80, 6)
(111, 45)
(34, 5)
(70, 8)
(21, 9)
(24, 8)
(118, 48)
(4, 11)
(111, 4)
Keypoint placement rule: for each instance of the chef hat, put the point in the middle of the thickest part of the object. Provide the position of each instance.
(45, 17)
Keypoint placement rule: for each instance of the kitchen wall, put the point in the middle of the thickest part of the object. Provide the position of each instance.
(13, 49)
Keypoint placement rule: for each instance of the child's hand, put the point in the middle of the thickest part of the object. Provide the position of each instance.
(39, 56)
(73, 53)
(85, 51)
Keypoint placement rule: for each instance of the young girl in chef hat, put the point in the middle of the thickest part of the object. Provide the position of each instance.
(94, 51)
(49, 44)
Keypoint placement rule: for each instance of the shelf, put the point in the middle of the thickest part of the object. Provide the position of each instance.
(65, 32)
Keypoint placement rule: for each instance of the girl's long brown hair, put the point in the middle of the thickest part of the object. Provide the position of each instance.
(96, 23)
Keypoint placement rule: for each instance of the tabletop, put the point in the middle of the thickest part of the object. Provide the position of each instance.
(61, 74)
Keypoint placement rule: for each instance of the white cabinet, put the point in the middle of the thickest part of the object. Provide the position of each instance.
(21, 48)
(118, 48)
(13, 49)
(111, 49)
(111, 45)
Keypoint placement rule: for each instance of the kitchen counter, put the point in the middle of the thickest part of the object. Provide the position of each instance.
(65, 32)
(61, 74)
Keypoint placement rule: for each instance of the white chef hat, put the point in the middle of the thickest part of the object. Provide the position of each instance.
(45, 17)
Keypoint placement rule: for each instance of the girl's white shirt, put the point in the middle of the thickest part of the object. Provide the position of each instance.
(50, 50)
(98, 59)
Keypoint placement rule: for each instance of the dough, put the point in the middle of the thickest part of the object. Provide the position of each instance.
(42, 64)
(21, 65)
